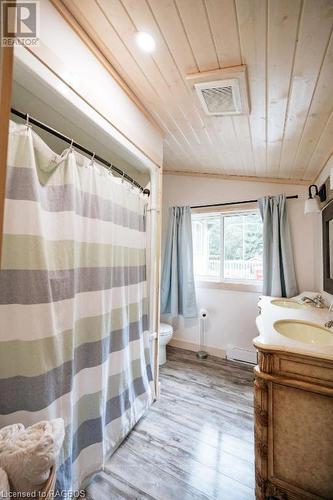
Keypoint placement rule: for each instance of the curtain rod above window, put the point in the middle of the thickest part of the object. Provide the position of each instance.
(76, 145)
(294, 197)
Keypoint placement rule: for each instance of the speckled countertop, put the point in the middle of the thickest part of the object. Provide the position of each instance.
(270, 339)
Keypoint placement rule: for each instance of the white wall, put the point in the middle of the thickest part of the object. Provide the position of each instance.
(63, 51)
(232, 313)
(51, 108)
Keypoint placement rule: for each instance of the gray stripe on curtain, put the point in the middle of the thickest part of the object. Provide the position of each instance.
(278, 261)
(33, 393)
(177, 284)
(38, 287)
(88, 433)
(22, 185)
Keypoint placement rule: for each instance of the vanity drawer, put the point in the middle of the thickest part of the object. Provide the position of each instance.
(301, 368)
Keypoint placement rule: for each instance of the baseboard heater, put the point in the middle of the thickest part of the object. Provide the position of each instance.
(240, 354)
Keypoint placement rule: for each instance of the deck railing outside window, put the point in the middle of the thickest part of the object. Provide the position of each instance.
(217, 237)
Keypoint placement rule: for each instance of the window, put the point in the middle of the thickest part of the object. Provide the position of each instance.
(228, 246)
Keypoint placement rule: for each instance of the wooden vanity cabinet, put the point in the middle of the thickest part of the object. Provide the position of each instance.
(293, 426)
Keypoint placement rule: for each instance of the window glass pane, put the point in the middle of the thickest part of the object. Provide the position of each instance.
(233, 239)
(206, 245)
(243, 247)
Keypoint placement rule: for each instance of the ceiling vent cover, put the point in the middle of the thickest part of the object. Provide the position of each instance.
(220, 97)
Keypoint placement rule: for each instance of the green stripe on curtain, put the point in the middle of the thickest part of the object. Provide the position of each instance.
(28, 354)
(33, 252)
(33, 393)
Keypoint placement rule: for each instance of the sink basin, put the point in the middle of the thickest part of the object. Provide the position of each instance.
(309, 333)
(292, 304)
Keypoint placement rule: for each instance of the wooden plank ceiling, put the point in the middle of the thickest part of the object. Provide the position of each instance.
(287, 46)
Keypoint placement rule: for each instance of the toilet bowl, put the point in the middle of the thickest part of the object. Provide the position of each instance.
(166, 332)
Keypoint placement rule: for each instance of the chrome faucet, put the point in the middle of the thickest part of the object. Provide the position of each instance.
(329, 323)
(317, 301)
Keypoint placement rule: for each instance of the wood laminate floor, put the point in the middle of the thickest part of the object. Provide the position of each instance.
(196, 442)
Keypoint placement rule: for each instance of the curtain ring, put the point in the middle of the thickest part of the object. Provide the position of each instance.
(71, 146)
(122, 178)
(110, 169)
(27, 121)
(91, 163)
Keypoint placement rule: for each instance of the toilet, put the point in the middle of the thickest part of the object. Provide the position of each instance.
(166, 332)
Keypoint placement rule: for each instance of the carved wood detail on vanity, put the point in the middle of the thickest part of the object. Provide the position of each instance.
(261, 433)
(293, 427)
(275, 492)
(265, 362)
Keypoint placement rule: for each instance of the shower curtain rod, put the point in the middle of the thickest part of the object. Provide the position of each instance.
(238, 202)
(76, 145)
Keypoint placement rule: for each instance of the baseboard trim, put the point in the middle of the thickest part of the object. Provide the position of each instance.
(189, 346)
(241, 354)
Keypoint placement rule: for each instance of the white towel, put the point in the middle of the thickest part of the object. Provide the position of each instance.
(4, 485)
(7, 433)
(29, 455)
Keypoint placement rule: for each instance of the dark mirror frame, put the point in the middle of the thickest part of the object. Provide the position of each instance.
(327, 215)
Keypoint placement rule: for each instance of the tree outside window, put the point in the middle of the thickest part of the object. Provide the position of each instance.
(228, 246)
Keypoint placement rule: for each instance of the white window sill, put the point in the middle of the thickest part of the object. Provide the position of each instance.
(255, 287)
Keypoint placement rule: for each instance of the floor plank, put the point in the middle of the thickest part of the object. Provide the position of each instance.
(196, 442)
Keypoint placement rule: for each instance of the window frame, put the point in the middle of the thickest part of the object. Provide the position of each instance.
(227, 283)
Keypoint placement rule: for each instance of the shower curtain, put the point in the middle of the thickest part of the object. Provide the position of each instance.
(73, 303)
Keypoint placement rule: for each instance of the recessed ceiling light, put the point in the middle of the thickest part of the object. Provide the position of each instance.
(145, 41)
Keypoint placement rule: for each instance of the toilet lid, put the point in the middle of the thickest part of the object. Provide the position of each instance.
(165, 329)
